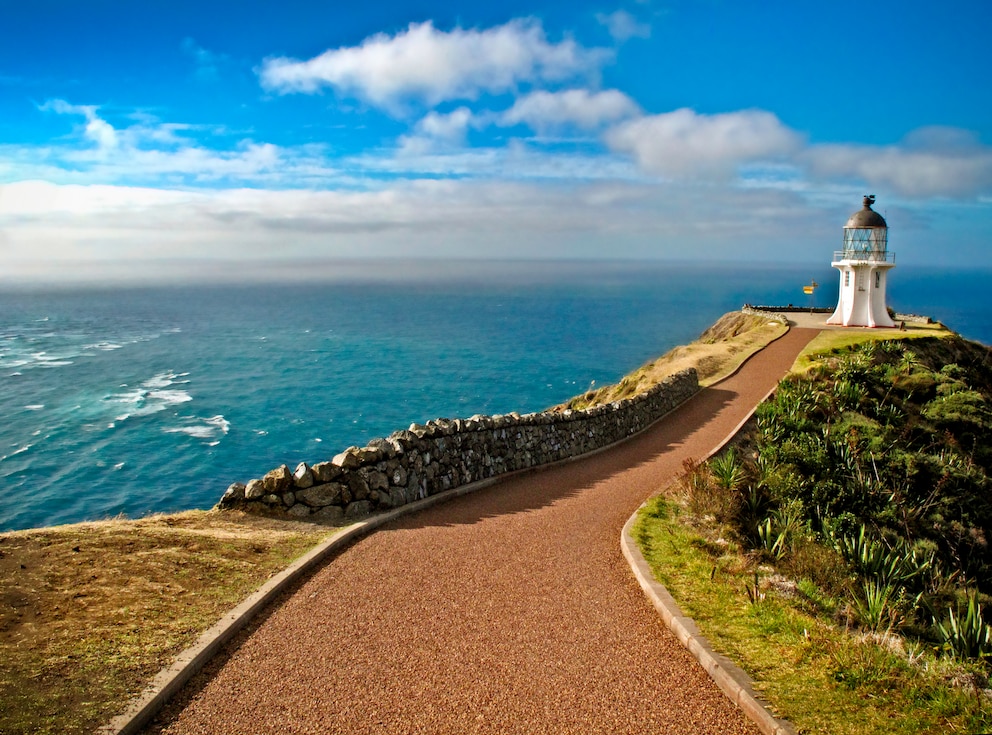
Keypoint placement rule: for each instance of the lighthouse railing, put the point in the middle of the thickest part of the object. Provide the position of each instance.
(865, 256)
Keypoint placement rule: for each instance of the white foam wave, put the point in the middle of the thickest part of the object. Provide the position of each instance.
(45, 360)
(34, 407)
(154, 395)
(103, 346)
(170, 397)
(209, 429)
(22, 450)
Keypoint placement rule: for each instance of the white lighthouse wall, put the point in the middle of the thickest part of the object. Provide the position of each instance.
(861, 300)
(876, 286)
(842, 314)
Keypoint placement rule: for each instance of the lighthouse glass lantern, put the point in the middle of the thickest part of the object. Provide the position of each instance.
(863, 264)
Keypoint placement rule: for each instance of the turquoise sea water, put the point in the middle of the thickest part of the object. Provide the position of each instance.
(155, 399)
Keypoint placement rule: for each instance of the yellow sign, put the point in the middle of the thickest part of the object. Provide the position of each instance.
(807, 289)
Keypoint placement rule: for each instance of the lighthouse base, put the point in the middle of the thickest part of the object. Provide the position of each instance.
(862, 294)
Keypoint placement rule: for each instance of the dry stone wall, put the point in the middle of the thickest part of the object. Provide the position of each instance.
(447, 453)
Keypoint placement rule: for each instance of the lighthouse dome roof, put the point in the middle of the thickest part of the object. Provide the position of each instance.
(866, 216)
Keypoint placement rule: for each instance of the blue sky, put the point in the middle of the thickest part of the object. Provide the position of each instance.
(212, 131)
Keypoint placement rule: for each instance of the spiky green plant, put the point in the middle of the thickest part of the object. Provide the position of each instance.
(967, 637)
(727, 469)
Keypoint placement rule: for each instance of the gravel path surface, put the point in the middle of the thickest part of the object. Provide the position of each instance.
(510, 610)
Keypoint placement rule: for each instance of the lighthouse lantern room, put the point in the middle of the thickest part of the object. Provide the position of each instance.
(863, 264)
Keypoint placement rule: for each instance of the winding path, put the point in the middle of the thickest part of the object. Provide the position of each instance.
(510, 610)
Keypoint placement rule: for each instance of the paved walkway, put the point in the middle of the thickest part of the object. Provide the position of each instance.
(510, 610)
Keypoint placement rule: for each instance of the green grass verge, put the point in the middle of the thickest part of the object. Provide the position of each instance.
(822, 678)
(833, 340)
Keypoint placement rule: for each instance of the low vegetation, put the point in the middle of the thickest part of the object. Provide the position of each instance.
(90, 612)
(841, 550)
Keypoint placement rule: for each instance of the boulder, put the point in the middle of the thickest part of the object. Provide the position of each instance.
(378, 481)
(298, 511)
(397, 497)
(254, 490)
(325, 472)
(348, 459)
(358, 509)
(234, 493)
(278, 480)
(328, 514)
(398, 476)
(359, 486)
(302, 476)
(319, 496)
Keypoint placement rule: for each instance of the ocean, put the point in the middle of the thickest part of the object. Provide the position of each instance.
(154, 399)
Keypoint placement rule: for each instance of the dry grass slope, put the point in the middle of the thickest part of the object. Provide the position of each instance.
(89, 612)
(717, 353)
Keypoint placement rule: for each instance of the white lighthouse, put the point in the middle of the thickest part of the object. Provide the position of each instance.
(863, 264)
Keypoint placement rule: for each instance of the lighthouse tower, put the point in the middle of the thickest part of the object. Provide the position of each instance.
(863, 265)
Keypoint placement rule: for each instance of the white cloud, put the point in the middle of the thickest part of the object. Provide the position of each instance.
(438, 131)
(685, 144)
(543, 110)
(402, 218)
(97, 129)
(515, 162)
(432, 66)
(623, 26)
(930, 162)
(450, 126)
(160, 153)
(69, 231)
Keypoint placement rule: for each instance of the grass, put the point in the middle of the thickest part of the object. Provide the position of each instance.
(718, 352)
(90, 612)
(817, 674)
(833, 340)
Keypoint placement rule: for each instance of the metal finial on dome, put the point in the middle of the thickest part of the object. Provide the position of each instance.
(866, 216)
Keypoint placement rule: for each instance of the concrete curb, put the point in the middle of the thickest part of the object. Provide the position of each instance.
(731, 680)
(729, 677)
(143, 707)
(170, 680)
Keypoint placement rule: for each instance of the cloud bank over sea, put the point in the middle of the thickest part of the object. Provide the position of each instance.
(652, 132)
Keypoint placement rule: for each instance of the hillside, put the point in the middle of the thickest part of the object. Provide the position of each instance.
(839, 550)
(894, 437)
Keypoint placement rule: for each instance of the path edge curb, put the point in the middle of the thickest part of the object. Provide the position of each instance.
(171, 679)
(143, 707)
(730, 678)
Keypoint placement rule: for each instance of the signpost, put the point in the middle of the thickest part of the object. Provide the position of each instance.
(808, 290)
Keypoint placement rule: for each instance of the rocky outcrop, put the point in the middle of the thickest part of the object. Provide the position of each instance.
(447, 453)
